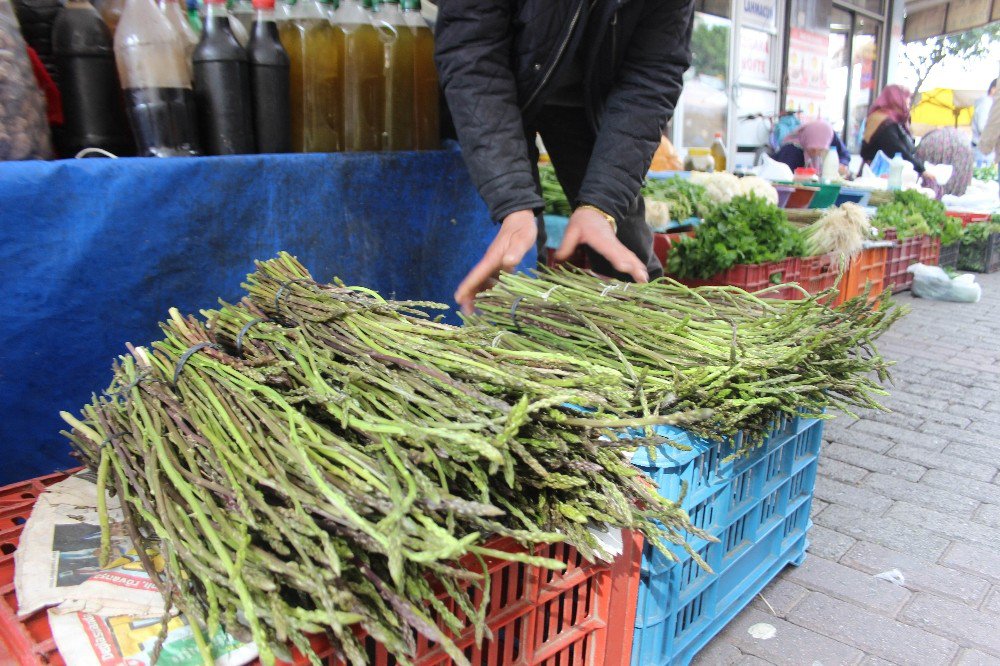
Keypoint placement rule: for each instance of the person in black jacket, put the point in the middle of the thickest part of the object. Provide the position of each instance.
(597, 80)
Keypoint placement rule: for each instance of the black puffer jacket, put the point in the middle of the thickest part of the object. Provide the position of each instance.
(498, 60)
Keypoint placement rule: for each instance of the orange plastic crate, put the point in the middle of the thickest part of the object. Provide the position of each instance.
(582, 616)
(866, 267)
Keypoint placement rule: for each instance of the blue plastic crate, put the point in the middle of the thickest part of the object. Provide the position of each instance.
(757, 507)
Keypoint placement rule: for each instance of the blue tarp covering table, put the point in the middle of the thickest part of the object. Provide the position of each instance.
(93, 253)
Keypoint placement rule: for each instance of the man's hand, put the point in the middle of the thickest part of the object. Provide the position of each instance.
(588, 227)
(517, 236)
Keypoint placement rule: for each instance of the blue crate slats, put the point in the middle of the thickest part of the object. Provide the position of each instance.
(757, 506)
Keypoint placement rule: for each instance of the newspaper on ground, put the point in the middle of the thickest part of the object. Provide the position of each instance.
(56, 563)
(85, 639)
(100, 616)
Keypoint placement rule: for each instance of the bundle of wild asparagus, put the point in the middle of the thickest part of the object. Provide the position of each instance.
(316, 457)
(748, 359)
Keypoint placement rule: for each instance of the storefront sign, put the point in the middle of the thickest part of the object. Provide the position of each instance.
(760, 13)
(807, 63)
(755, 55)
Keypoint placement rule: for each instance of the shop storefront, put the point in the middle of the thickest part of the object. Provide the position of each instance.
(837, 60)
(753, 58)
(734, 80)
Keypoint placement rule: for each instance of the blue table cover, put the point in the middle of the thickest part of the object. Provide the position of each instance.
(93, 252)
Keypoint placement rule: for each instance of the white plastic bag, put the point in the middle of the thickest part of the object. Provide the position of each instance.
(932, 282)
(773, 170)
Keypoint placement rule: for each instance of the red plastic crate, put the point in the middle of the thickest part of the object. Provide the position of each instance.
(28, 642)
(930, 250)
(817, 274)
(662, 243)
(866, 267)
(755, 277)
(968, 218)
(584, 615)
(901, 256)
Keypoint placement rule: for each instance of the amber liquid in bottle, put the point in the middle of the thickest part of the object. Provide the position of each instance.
(364, 79)
(399, 40)
(316, 53)
(425, 81)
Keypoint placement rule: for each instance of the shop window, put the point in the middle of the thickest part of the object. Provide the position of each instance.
(865, 46)
(853, 71)
(838, 70)
(704, 104)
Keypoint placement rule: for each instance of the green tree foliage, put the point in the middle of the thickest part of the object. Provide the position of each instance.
(970, 45)
(710, 49)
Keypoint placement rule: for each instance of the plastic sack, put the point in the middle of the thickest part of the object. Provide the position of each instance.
(24, 128)
(933, 283)
(942, 173)
(880, 164)
(772, 169)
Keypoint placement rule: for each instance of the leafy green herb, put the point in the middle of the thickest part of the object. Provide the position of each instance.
(686, 199)
(552, 192)
(747, 230)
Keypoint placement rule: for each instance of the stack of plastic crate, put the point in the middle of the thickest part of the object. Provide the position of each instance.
(580, 615)
(757, 507)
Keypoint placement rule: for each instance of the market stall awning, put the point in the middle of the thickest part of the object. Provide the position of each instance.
(931, 18)
(944, 107)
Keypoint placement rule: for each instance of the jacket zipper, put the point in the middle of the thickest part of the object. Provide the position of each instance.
(559, 54)
(614, 36)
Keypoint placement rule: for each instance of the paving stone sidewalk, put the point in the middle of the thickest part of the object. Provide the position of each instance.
(916, 490)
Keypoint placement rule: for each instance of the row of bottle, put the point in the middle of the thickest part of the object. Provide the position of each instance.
(307, 79)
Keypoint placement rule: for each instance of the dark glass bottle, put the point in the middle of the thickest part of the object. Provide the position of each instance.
(91, 94)
(269, 81)
(222, 86)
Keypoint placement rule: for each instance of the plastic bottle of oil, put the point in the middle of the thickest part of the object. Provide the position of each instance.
(364, 77)
(718, 151)
(316, 54)
(425, 82)
(400, 40)
(177, 15)
(157, 82)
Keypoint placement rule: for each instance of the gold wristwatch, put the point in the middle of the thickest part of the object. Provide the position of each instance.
(606, 216)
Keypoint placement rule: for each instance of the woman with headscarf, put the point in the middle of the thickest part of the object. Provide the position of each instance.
(949, 146)
(888, 129)
(809, 144)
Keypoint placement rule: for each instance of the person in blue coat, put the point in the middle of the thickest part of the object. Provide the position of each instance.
(808, 145)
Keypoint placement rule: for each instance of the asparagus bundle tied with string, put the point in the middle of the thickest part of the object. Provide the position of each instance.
(317, 458)
(748, 359)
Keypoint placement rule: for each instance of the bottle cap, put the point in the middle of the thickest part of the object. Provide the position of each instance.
(411, 5)
(718, 135)
(263, 5)
(899, 155)
(215, 2)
